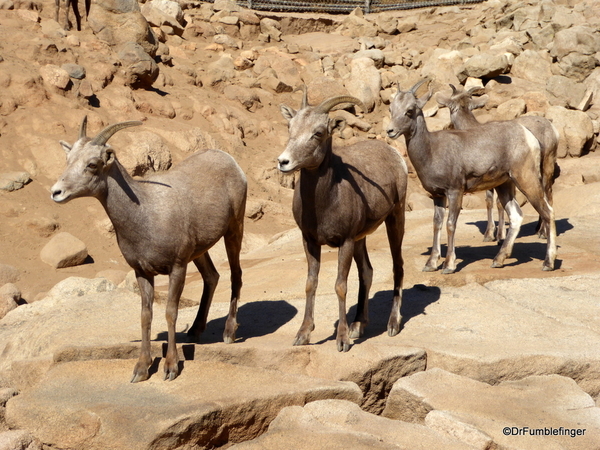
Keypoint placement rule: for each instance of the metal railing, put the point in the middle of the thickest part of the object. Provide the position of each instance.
(345, 6)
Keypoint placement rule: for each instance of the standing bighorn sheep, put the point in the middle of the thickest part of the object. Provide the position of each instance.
(450, 163)
(342, 195)
(461, 106)
(162, 223)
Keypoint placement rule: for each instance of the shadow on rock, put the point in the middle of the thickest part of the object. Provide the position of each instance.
(414, 302)
(255, 319)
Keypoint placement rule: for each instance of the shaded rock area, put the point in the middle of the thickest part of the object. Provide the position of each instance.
(480, 350)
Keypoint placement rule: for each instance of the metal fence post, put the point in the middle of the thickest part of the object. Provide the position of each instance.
(367, 6)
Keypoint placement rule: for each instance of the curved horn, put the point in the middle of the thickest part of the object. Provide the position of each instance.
(454, 90)
(304, 90)
(107, 133)
(328, 104)
(83, 128)
(474, 90)
(416, 87)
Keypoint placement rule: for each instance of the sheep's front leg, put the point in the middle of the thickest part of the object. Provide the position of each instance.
(176, 283)
(365, 279)
(146, 285)
(345, 253)
(454, 205)
(313, 258)
(439, 204)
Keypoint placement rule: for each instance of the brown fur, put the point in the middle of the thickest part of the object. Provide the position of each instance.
(162, 223)
(342, 195)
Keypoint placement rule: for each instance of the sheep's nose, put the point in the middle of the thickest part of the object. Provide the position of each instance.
(283, 164)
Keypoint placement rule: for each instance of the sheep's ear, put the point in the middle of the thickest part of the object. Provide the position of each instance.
(478, 102)
(337, 123)
(109, 157)
(66, 146)
(287, 112)
(423, 100)
(442, 99)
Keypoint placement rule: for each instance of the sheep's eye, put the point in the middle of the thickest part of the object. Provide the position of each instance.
(92, 166)
(409, 113)
(317, 135)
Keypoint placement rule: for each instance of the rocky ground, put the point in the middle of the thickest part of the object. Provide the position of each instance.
(481, 350)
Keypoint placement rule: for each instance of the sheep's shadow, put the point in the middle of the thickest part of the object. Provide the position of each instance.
(255, 319)
(414, 302)
(528, 229)
(522, 253)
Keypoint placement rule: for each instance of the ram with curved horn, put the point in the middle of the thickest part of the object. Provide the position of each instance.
(450, 163)
(343, 194)
(162, 223)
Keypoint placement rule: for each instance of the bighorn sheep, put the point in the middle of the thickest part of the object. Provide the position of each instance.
(461, 106)
(342, 195)
(74, 4)
(450, 163)
(162, 223)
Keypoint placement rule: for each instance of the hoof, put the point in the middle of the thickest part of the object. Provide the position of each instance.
(546, 268)
(489, 239)
(343, 346)
(301, 340)
(170, 375)
(429, 269)
(448, 271)
(137, 377)
(497, 265)
(229, 339)
(356, 330)
(393, 330)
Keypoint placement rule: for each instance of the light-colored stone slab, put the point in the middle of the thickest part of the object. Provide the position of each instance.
(335, 424)
(502, 415)
(92, 405)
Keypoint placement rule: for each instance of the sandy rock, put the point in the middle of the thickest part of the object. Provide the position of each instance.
(157, 16)
(325, 43)
(19, 440)
(322, 88)
(511, 109)
(139, 68)
(355, 25)
(169, 8)
(579, 39)
(13, 181)
(9, 296)
(565, 91)
(376, 55)
(247, 97)
(146, 153)
(222, 70)
(531, 65)
(64, 250)
(577, 65)
(55, 76)
(285, 69)
(479, 413)
(126, 17)
(575, 129)
(327, 424)
(43, 226)
(74, 70)
(271, 28)
(208, 405)
(364, 82)
(485, 65)
(226, 41)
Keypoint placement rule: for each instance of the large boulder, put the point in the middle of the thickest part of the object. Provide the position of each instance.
(120, 21)
(364, 82)
(575, 128)
(138, 68)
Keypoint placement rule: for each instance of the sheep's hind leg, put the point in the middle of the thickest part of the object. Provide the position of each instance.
(506, 194)
(141, 369)
(313, 258)
(210, 278)
(233, 246)
(439, 204)
(454, 206)
(395, 230)
(176, 283)
(365, 278)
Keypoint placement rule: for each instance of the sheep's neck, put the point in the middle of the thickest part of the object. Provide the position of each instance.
(463, 120)
(418, 144)
(123, 198)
